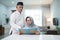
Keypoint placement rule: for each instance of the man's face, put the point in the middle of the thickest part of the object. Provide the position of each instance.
(19, 8)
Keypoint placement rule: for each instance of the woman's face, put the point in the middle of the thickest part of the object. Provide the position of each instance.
(28, 21)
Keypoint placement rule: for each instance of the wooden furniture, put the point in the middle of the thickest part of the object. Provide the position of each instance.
(1, 30)
(52, 32)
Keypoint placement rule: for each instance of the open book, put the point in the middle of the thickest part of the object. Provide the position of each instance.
(28, 30)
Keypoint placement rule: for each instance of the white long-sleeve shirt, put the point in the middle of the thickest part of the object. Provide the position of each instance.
(16, 20)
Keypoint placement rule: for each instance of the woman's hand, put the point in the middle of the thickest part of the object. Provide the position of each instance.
(18, 32)
(37, 32)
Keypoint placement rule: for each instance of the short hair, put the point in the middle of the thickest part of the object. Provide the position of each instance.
(20, 3)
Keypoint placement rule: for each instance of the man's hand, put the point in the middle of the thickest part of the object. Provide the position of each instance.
(17, 32)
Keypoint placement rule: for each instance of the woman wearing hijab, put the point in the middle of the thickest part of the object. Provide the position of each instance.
(30, 24)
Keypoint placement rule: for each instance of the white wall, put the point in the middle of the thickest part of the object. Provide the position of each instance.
(55, 9)
(46, 14)
(3, 12)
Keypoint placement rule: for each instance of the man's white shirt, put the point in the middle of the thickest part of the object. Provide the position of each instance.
(16, 20)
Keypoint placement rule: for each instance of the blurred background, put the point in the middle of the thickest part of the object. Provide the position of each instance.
(46, 14)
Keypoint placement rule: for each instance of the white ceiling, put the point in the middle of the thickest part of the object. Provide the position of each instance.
(26, 2)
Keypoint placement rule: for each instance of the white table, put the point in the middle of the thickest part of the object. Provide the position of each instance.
(32, 37)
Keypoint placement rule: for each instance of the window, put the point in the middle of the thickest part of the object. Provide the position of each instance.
(36, 14)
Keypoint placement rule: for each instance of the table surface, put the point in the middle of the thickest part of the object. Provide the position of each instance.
(32, 37)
